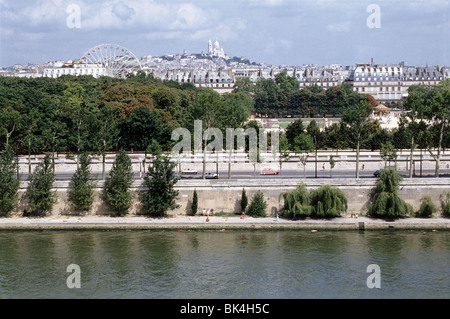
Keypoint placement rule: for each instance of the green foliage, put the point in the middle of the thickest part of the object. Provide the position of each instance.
(142, 127)
(446, 205)
(39, 192)
(117, 193)
(293, 130)
(194, 206)
(303, 142)
(324, 202)
(386, 203)
(388, 152)
(327, 202)
(297, 202)
(9, 183)
(244, 201)
(160, 195)
(427, 208)
(257, 206)
(82, 192)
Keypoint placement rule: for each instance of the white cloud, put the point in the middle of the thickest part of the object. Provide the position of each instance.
(267, 2)
(227, 30)
(340, 26)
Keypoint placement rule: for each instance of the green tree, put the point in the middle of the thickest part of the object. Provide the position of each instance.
(257, 206)
(39, 192)
(414, 107)
(82, 191)
(356, 119)
(108, 132)
(10, 121)
(283, 149)
(139, 129)
(243, 85)
(244, 201)
(446, 205)
(297, 202)
(9, 183)
(160, 181)
(385, 201)
(427, 208)
(194, 206)
(208, 108)
(303, 143)
(332, 164)
(154, 149)
(327, 202)
(117, 190)
(440, 113)
(236, 109)
(293, 130)
(388, 152)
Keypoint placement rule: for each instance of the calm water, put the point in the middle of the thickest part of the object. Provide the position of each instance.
(224, 264)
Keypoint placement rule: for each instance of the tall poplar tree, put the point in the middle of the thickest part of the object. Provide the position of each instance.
(9, 183)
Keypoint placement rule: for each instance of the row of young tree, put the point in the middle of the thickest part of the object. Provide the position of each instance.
(157, 195)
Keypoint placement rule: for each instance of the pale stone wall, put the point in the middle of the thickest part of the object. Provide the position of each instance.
(224, 195)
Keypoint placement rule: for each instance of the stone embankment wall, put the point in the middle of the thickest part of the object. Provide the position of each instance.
(225, 195)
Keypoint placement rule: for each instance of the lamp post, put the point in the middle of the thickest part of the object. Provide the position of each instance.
(315, 146)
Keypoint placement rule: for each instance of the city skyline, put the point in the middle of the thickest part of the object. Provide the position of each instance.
(278, 32)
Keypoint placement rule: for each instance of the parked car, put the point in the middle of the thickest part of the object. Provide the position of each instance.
(189, 171)
(210, 175)
(377, 173)
(270, 171)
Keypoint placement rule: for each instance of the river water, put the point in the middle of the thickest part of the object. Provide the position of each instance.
(224, 264)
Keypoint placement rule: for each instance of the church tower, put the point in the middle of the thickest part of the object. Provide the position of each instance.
(210, 48)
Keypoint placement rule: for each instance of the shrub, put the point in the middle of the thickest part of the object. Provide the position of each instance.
(194, 205)
(39, 191)
(82, 192)
(297, 202)
(257, 206)
(446, 205)
(427, 208)
(327, 201)
(386, 202)
(117, 192)
(9, 183)
(244, 201)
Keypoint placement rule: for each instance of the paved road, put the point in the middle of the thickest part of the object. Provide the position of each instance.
(249, 174)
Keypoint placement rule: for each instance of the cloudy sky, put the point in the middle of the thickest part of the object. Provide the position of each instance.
(290, 32)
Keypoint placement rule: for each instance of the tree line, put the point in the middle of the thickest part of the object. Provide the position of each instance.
(83, 114)
(281, 96)
(424, 124)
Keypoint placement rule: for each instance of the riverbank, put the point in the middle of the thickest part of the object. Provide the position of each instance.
(218, 223)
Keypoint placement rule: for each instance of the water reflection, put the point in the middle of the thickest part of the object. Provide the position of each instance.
(224, 264)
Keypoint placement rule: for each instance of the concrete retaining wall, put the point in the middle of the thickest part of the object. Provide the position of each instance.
(225, 195)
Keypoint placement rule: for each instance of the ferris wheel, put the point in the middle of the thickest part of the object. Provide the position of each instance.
(116, 60)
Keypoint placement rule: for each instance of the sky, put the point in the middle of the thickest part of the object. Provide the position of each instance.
(280, 32)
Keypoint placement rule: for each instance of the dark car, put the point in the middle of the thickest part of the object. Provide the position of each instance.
(377, 173)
